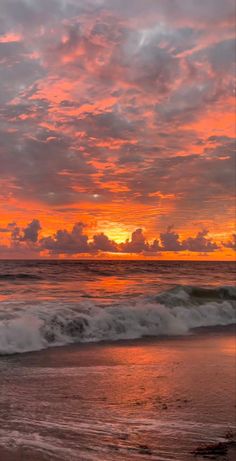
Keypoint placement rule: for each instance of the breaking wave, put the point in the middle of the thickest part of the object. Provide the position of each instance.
(25, 328)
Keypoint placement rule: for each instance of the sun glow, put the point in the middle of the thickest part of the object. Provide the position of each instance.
(116, 231)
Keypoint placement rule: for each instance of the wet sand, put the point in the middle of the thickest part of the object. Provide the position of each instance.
(132, 400)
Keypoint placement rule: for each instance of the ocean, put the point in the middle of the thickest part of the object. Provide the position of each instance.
(54, 303)
(115, 360)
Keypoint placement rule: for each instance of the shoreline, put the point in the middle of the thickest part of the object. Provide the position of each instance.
(199, 332)
(120, 400)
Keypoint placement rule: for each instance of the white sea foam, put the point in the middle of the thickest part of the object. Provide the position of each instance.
(30, 328)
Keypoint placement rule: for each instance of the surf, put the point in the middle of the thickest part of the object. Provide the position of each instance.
(31, 327)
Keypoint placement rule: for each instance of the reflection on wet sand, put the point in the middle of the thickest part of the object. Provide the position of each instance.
(120, 401)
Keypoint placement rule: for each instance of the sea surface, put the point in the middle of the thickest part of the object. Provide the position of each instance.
(55, 303)
(115, 360)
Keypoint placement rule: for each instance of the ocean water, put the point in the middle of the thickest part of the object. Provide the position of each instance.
(137, 378)
(55, 303)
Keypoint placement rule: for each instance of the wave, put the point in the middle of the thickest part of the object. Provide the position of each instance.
(19, 276)
(196, 295)
(25, 328)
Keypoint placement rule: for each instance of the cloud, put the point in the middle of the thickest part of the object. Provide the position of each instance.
(66, 242)
(231, 243)
(170, 240)
(111, 105)
(46, 168)
(28, 234)
(8, 228)
(139, 244)
(204, 11)
(31, 232)
(76, 242)
(102, 243)
(23, 242)
(200, 243)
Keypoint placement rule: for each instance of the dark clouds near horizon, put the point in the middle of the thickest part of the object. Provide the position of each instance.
(75, 241)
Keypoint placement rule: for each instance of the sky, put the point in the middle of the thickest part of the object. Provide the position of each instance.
(117, 129)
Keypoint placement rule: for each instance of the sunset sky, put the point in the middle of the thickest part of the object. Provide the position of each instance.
(117, 129)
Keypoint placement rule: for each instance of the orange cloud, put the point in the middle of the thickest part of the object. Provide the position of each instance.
(122, 116)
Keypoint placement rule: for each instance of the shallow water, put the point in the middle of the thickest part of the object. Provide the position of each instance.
(140, 400)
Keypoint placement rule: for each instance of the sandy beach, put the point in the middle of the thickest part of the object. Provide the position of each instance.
(134, 400)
